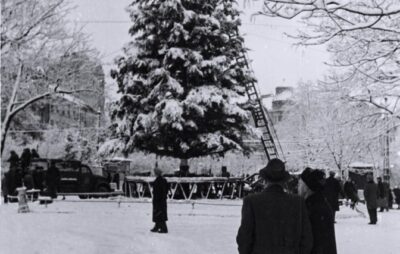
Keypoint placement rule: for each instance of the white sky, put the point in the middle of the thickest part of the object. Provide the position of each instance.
(275, 61)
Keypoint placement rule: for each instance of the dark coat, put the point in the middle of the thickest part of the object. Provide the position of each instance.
(274, 222)
(381, 190)
(332, 189)
(4, 187)
(350, 191)
(52, 181)
(12, 181)
(371, 195)
(52, 177)
(25, 159)
(160, 192)
(322, 224)
(13, 160)
(396, 192)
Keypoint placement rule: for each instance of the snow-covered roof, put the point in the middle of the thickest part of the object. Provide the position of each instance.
(284, 95)
(359, 164)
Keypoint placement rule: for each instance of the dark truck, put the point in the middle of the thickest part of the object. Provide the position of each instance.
(75, 177)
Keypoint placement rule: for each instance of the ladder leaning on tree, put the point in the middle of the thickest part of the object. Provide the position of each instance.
(261, 117)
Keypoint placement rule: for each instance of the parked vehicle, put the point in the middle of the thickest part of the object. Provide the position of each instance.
(75, 177)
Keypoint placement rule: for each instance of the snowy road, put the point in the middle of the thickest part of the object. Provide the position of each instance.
(104, 228)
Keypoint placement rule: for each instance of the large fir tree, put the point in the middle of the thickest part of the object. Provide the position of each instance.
(182, 89)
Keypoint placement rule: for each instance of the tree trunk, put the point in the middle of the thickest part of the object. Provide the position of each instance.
(9, 116)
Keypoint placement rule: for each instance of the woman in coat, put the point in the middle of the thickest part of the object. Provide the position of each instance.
(311, 184)
(160, 192)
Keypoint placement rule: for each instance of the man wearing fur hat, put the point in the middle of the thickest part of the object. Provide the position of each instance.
(320, 213)
(274, 221)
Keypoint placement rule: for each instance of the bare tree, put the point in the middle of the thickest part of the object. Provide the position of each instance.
(363, 37)
(34, 38)
(322, 130)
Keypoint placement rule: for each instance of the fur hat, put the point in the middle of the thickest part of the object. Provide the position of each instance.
(275, 171)
(313, 178)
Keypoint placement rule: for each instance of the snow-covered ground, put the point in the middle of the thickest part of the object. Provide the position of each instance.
(94, 227)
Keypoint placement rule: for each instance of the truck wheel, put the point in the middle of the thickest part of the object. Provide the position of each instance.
(83, 197)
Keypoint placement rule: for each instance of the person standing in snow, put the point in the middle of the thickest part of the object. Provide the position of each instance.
(320, 213)
(396, 192)
(160, 192)
(351, 192)
(34, 154)
(371, 196)
(13, 160)
(52, 180)
(332, 190)
(382, 195)
(274, 221)
(4, 189)
(25, 160)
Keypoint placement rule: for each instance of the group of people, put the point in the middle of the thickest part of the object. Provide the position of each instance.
(21, 174)
(276, 221)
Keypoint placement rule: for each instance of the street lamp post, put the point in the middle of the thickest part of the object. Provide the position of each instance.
(386, 153)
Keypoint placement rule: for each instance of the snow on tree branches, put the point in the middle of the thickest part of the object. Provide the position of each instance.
(363, 38)
(182, 89)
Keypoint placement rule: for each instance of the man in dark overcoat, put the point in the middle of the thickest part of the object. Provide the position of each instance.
(320, 213)
(371, 197)
(274, 221)
(332, 190)
(160, 193)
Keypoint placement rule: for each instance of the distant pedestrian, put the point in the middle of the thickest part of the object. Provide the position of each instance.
(28, 181)
(224, 172)
(350, 192)
(274, 221)
(371, 197)
(160, 192)
(34, 154)
(396, 192)
(116, 180)
(11, 181)
(382, 195)
(13, 160)
(390, 200)
(4, 188)
(332, 190)
(52, 180)
(311, 184)
(38, 177)
(25, 159)
(387, 193)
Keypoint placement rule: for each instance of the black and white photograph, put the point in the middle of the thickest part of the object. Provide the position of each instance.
(200, 126)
